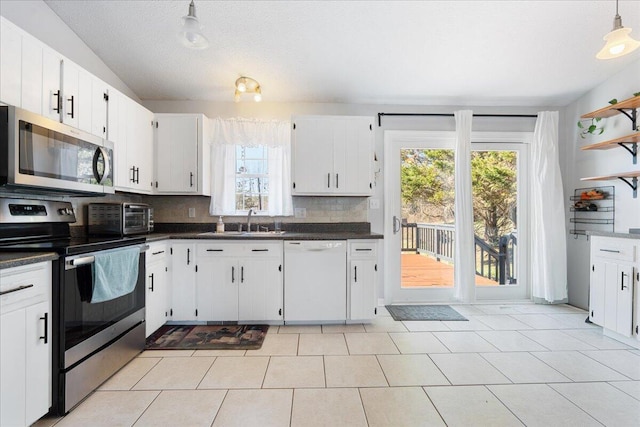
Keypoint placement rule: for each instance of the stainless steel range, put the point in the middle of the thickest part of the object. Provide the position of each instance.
(92, 338)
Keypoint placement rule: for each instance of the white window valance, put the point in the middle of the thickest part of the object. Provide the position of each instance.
(251, 132)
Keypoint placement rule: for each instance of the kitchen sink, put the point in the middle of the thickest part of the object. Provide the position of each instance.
(243, 233)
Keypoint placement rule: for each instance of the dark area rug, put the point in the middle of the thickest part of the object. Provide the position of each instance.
(424, 312)
(207, 337)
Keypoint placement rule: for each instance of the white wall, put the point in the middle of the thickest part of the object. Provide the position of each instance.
(36, 18)
(577, 164)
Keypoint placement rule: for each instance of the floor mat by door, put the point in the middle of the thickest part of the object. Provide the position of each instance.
(423, 312)
(207, 337)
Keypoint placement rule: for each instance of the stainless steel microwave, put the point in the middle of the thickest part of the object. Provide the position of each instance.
(40, 155)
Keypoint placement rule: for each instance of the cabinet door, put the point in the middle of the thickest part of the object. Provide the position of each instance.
(51, 84)
(624, 303)
(12, 368)
(353, 156)
(140, 148)
(122, 169)
(260, 289)
(362, 289)
(99, 94)
(183, 282)
(10, 63)
(31, 75)
(596, 292)
(38, 359)
(70, 89)
(84, 102)
(155, 303)
(218, 279)
(176, 153)
(312, 141)
(611, 286)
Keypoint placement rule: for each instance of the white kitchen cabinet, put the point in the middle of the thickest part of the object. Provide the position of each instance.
(361, 288)
(332, 155)
(240, 281)
(99, 107)
(183, 281)
(132, 134)
(613, 279)
(51, 84)
(25, 343)
(31, 75)
(10, 63)
(71, 92)
(182, 147)
(157, 293)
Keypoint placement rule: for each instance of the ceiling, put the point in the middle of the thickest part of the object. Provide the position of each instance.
(520, 53)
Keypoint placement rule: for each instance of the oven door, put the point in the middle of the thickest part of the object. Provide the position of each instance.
(88, 326)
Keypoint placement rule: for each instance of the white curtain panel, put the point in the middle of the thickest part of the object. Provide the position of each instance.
(229, 133)
(548, 228)
(464, 264)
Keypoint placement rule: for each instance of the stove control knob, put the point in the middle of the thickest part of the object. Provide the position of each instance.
(65, 211)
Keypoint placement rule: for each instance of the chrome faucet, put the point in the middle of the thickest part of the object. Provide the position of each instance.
(249, 220)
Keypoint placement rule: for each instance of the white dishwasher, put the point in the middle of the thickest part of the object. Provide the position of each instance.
(315, 281)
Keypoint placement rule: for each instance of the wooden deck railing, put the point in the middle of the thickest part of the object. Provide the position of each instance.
(437, 240)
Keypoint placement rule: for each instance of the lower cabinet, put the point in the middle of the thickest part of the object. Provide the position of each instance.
(183, 281)
(613, 278)
(157, 298)
(361, 290)
(25, 344)
(240, 281)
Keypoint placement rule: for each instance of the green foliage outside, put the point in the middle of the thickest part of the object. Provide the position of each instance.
(428, 189)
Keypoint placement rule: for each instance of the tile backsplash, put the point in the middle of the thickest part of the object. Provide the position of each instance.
(175, 209)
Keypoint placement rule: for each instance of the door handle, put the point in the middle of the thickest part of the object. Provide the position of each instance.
(45, 338)
(58, 106)
(190, 179)
(328, 180)
(188, 256)
(242, 274)
(71, 113)
(622, 286)
(396, 221)
(151, 277)
(233, 274)
(355, 270)
(337, 185)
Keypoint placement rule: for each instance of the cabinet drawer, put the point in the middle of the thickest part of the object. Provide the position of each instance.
(25, 285)
(612, 248)
(362, 249)
(216, 249)
(156, 252)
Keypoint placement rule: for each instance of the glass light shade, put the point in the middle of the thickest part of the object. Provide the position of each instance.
(619, 43)
(242, 87)
(257, 97)
(236, 96)
(191, 33)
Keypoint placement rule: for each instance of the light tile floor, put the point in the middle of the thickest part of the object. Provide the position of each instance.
(511, 364)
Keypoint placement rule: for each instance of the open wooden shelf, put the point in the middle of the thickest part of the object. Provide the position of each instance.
(624, 177)
(634, 138)
(633, 174)
(612, 110)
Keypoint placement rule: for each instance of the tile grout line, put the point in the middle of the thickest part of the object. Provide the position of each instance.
(215, 359)
(147, 408)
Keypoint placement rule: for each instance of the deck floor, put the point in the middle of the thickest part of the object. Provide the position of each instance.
(422, 271)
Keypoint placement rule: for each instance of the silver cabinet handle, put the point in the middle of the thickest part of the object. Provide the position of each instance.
(396, 221)
(609, 250)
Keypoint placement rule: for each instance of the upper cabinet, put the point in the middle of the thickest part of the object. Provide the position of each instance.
(332, 155)
(37, 78)
(182, 147)
(133, 138)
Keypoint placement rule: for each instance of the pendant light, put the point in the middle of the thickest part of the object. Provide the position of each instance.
(619, 43)
(191, 32)
(248, 85)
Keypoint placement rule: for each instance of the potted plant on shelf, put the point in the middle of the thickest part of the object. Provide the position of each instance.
(590, 126)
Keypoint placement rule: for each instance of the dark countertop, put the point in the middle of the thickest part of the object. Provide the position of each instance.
(336, 235)
(16, 259)
(609, 234)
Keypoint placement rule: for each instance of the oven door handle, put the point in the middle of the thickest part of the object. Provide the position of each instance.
(77, 262)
